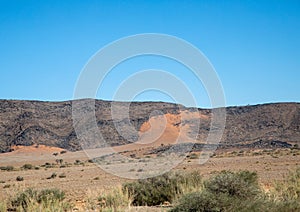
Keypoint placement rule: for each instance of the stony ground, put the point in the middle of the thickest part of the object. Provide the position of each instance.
(82, 179)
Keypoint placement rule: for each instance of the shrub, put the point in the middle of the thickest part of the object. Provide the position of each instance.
(49, 196)
(193, 156)
(116, 200)
(289, 189)
(27, 166)
(160, 189)
(6, 168)
(48, 165)
(44, 200)
(241, 184)
(90, 160)
(197, 201)
(226, 191)
(52, 176)
(23, 199)
(19, 178)
(62, 175)
(6, 186)
(208, 201)
(59, 161)
(63, 152)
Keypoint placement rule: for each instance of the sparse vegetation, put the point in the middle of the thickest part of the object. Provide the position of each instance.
(224, 191)
(289, 189)
(167, 187)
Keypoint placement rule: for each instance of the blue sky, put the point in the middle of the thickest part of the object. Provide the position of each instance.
(253, 45)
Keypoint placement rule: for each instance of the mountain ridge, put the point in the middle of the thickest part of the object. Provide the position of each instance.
(28, 122)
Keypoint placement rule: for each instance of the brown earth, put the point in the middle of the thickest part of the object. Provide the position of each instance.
(83, 177)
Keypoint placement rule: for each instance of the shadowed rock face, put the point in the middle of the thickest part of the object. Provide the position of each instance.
(50, 123)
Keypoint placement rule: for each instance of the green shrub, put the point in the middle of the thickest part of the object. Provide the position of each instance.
(160, 189)
(229, 191)
(49, 196)
(23, 199)
(197, 201)
(44, 200)
(241, 184)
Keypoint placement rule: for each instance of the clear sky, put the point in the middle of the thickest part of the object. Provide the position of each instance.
(253, 45)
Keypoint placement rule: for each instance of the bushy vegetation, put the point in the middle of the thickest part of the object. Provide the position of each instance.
(239, 191)
(27, 166)
(115, 200)
(6, 168)
(161, 189)
(241, 184)
(44, 200)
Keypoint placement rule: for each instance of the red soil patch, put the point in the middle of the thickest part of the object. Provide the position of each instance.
(35, 149)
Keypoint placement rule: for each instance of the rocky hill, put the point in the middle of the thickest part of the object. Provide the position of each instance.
(50, 123)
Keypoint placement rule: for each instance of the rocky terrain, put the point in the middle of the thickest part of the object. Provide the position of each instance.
(50, 123)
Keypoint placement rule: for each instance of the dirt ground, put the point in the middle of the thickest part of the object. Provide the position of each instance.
(81, 178)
